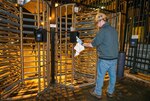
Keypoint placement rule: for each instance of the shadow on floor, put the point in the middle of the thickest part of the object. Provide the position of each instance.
(126, 90)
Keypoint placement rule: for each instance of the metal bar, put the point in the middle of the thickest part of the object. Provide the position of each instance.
(56, 41)
(43, 45)
(125, 30)
(140, 52)
(39, 68)
(48, 47)
(30, 20)
(10, 22)
(12, 85)
(6, 94)
(60, 36)
(63, 23)
(138, 61)
(22, 97)
(8, 29)
(73, 64)
(21, 46)
(28, 32)
(147, 32)
(36, 58)
(29, 26)
(66, 42)
(10, 14)
(52, 55)
(32, 78)
(118, 23)
(28, 13)
(5, 73)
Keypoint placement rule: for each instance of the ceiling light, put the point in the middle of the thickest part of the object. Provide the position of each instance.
(103, 7)
(56, 4)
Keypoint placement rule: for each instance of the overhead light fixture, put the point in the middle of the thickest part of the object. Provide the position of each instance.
(56, 4)
(42, 23)
(50, 18)
(102, 7)
(12, 42)
(77, 9)
(16, 5)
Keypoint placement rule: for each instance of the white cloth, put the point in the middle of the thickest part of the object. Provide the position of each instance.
(78, 47)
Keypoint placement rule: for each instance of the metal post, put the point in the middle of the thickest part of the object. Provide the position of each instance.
(48, 46)
(117, 5)
(60, 39)
(52, 31)
(126, 21)
(43, 44)
(120, 65)
(52, 41)
(39, 68)
(133, 69)
(21, 45)
(73, 62)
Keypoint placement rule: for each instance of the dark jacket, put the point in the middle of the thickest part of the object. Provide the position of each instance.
(106, 42)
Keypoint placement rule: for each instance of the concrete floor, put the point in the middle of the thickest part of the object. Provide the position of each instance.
(126, 90)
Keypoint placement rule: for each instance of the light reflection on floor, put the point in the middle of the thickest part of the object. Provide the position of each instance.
(31, 87)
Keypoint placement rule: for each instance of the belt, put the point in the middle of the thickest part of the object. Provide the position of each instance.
(107, 58)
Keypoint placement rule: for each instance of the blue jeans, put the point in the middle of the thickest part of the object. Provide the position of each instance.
(102, 67)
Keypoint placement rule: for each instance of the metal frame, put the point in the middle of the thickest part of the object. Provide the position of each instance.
(77, 71)
(10, 49)
(28, 62)
(137, 22)
(64, 50)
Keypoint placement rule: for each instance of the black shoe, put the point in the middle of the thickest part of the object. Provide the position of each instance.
(109, 95)
(95, 95)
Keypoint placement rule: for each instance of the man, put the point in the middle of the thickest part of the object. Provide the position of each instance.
(106, 43)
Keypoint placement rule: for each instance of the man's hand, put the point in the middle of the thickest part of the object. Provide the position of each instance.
(87, 44)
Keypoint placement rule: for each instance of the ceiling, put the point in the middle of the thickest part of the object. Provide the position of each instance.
(30, 5)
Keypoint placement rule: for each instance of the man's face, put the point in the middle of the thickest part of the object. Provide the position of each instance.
(99, 24)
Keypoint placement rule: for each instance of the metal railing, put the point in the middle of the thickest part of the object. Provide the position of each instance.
(138, 58)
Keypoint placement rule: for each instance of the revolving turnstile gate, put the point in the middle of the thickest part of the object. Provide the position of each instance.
(77, 71)
(24, 63)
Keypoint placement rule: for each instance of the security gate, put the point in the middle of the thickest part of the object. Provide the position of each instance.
(77, 71)
(24, 63)
(138, 22)
(64, 56)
